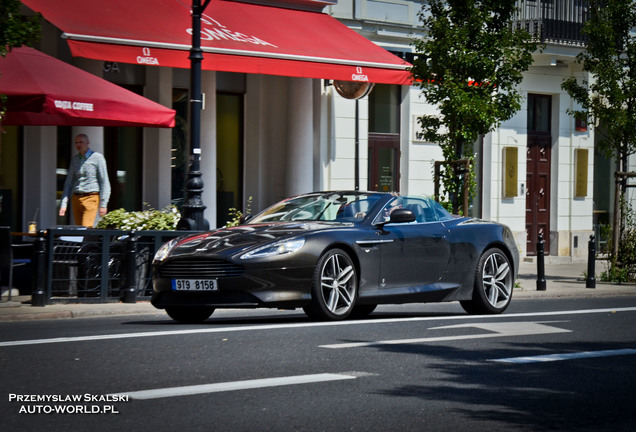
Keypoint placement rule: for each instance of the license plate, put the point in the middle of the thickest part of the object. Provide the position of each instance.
(195, 284)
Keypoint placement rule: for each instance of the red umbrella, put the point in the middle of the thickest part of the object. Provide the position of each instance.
(44, 91)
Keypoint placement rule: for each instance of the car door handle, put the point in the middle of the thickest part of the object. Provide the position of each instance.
(367, 243)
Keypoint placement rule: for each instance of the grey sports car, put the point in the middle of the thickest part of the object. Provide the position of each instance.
(339, 255)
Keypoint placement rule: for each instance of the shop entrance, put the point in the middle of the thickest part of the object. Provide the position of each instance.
(229, 155)
(384, 152)
(384, 138)
(538, 164)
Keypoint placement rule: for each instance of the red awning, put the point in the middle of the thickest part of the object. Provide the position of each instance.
(44, 91)
(236, 37)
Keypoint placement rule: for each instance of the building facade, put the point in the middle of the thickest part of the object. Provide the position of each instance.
(563, 188)
(265, 137)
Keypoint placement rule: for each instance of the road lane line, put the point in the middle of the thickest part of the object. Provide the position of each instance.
(190, 331)
(235, 385)
(567, 356)
(498, 329)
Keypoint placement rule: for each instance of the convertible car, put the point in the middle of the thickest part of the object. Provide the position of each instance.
(339, 255)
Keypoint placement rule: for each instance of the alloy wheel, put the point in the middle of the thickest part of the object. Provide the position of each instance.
(497, 280)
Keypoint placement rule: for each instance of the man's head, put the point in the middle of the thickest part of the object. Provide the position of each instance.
(81, 144)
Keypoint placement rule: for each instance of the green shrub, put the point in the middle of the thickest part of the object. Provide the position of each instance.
(235, 215)
(622, 268)
(149, 219)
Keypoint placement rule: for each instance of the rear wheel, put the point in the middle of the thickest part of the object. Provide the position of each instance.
(189, 315)
(334, 288)
(494, 282)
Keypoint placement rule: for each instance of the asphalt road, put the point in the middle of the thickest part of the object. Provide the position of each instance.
(545, 365)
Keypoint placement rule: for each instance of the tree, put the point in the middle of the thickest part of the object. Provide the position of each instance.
(15, 30)
(469, 66)
(608, 97)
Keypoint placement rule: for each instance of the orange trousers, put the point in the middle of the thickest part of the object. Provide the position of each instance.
(85, 209)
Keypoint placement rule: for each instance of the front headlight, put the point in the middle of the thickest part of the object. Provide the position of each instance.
(164, 250)
(279, 248)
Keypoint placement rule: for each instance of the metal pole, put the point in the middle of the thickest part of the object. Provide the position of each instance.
(38, 294)
(129, 294)
(590, 282)
(192, 211)
(541, 284)
(356, 167)
(616, 233)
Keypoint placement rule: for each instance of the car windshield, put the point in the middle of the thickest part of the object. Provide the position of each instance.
(425, 209)
(330, 206)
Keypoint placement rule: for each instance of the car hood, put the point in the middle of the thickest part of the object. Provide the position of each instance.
(229, 241)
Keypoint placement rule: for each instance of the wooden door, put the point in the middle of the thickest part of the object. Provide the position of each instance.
(538, 191)
(538, 171)
(384, 162)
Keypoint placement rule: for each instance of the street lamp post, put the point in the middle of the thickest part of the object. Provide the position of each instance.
(192, 211)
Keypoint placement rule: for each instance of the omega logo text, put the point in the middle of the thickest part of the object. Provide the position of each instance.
(217, 31)
(146, 58)
(359, 76)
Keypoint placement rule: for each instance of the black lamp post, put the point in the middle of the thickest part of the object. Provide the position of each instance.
(192, 211)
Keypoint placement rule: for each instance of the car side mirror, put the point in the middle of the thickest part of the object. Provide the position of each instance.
(399, 216)
(402, 216)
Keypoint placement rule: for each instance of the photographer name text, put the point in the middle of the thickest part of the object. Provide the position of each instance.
(86, 403)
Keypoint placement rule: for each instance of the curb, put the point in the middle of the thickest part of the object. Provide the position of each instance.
(26, 312)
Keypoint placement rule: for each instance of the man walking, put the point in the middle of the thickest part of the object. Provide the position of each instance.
(86, 184)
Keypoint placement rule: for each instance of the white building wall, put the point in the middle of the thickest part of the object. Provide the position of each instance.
(341, 174)
(571, 217)
(208, 146)
(422, 155)
(40, 148)
(265, 139)
(157, 143)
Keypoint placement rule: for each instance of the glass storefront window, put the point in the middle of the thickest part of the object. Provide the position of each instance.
(65, 151)
(384, 138)
(123, 151)
(10, 178)
(180, 152)
(384, 109)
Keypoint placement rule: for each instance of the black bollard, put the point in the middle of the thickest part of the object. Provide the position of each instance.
(38, 292)
(129, 294)
(590, 282)
(541, 284)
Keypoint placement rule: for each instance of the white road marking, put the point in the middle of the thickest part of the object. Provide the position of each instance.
(568, 356)
(237, 385)
(221, 329)
(499, 329)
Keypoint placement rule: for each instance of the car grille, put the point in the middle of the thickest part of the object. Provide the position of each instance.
(199, 269)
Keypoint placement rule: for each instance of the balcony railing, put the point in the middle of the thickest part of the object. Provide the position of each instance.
(554, 22)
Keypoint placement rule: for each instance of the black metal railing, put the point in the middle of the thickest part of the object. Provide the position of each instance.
(94, 265)
(554, 22)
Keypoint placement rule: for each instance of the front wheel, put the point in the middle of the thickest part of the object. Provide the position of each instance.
(494, 281)
(189, 315)
(334, 288)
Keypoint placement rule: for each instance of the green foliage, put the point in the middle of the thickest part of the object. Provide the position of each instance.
(149, 219)
(469, 65)
(622, 267)
(610, 98)
(236, 215)
(16, 29)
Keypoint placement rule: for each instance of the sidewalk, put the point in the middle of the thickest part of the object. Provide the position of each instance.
(562, 280)
(566, 279)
